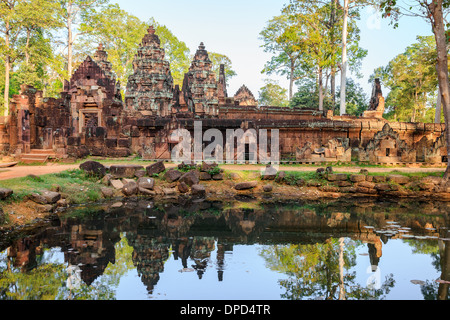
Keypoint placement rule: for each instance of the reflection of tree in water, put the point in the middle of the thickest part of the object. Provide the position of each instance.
(314, 271)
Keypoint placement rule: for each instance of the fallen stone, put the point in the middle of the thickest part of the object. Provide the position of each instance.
(45, 208)
(382, 186)
(182, 187)
(378, 179)
(204, 176)
(398, 178)
(234, 176)
(117, 184)
(93, 168)
(268, 188)
(426, 186)
(218, 176)
(146, 192)
(51, 197)
(364, 172)
(36, 197)
(348, 190)
(205, 167)
(107, 179)
(129, 189)
(198, 190)
(329, 188)
(155, 168)
(269, 173)
(146, 183)
(366, 184)
(357, 178)
(172, 175)
(5, 193)
(190, 178)
(169, 191)
(246, 185)
(341, 183)
(124, 170)
(433, 180)
(107, 192)
(62, 203)
(280, 177)
(140, 173)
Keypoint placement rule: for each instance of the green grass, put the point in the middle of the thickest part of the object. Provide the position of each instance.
(75, 185)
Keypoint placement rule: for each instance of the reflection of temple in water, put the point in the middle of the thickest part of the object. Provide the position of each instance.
(156, 233)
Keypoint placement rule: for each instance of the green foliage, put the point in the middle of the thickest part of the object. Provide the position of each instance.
(411, 78)
(272, 94)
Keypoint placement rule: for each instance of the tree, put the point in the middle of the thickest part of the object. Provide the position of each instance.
(22, 25)
(281, 38)
(272, 94)
(74, 12)
(217, 59)
(319, 23)
(411, 79)
(432, 11)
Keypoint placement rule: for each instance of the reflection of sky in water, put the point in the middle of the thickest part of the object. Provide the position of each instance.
(246, 276)
(398, 258)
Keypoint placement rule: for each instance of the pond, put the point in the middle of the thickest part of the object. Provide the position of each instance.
(239, 250)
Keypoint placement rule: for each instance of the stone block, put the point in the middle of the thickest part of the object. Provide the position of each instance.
(155, 168)
(246, 185)
(124, 170)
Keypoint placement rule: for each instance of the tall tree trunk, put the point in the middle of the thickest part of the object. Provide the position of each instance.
(7, 71)
(344, 59)
(437, 115)
(291, 80)
(320, 90)
(69, 40)
(333, 88)
(437, 21)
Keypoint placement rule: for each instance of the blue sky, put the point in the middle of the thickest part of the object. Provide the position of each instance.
(232, 28)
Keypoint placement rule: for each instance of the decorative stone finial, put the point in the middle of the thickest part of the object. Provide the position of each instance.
(151, 30)
(201, 46)
(100, 46)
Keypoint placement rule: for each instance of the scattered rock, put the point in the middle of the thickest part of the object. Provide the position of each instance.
(107, 192)
(204, 176)
(124, 170)
(206, 167)
(234, 176)
(378, 179)
(51, 196)
(268, 188)
(182, 187)
(398, 178)
(140, 173)
(383, 186)
(172, 175)
(129, 189)
(147, 192)
(169, 191)
(107, 179)
(269, 173)
(357, 178)
(155, 168)
(146, 183)
(218, 176)
(198, 190)
(5, 193)
(366, 184)
(190, 178)
(93, 168)
(117, 184)
(364, 172)
(246, 185)
(280, 177)
(341, 183)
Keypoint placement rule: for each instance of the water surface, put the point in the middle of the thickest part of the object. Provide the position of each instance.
(238, 250)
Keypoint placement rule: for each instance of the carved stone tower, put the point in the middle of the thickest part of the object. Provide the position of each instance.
(200, 89)
(150, 88)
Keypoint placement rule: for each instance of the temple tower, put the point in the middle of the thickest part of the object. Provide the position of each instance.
(150, 87)
(200, 88)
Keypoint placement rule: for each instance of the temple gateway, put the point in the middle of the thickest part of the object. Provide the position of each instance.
(92, 119)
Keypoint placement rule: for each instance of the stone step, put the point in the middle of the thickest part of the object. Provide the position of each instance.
(48, 152)
(34, 158)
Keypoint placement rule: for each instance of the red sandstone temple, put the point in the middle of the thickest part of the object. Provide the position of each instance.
(91, 118)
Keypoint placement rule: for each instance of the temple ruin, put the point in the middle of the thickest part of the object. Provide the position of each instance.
(92, 119)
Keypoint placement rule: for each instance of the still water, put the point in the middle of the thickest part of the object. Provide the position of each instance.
(239, 250)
